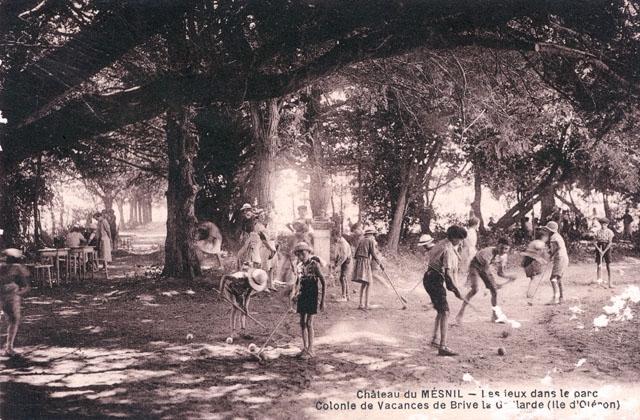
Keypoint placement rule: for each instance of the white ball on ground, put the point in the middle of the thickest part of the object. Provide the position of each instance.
(229, 340)
(253, 348)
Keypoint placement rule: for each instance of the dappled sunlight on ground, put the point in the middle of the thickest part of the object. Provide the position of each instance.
(156, 348)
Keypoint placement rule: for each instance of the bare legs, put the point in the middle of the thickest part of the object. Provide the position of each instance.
(344, 283)
(441, 327)
(308, 333)
(556, 285)
(364, 296)
(13, 318)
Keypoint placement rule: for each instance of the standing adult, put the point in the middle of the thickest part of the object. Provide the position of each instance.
(113, 226)
(103, 239)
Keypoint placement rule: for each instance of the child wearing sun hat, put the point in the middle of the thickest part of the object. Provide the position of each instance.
(560, 260)
(309, 275)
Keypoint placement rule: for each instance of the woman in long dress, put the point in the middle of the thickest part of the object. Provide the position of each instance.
(103, 238)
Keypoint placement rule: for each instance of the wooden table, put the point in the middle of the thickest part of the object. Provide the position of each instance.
(54, 255)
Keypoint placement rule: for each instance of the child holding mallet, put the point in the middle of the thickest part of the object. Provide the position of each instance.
(480, 269)
(364, 253)
(237, 289)
(442, 271)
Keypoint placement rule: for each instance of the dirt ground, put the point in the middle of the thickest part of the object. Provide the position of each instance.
(142, 347)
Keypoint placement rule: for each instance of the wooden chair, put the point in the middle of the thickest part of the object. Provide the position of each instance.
(76, 265)
(42, 272)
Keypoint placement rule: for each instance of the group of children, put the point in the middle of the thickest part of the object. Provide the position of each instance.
(308, 293)
(446, 260)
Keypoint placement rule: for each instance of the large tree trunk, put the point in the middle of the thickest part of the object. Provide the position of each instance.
(320, 188)
(52, 214)
(132, 210)
(139, 211)
(37, 225)
(265, 122)
(149, 210)
(548, 203)
(107, 200)
(607, 207)
(526, 203)
(476, 204)
(181, 259)
(395, 229)
(63, 225)
(120, 203)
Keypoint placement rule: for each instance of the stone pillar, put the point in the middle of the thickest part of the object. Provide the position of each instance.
(322, 241)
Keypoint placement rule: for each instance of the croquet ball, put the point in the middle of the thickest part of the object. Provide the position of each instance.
(505, 334)
(500, 351)
(229, 340)
(252, 348)
(189, 336)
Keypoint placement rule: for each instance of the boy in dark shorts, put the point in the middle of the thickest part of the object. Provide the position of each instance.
(14, 283)
(480, 269)
(307, 294)
(443, 269)
(603, 242)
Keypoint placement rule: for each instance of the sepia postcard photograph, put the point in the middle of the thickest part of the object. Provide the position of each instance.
(320, 209)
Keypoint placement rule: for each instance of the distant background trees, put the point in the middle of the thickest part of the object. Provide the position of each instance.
(199, 103)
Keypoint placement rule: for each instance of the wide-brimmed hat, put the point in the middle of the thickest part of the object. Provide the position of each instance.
(13, 252)
(302, 246)
(258, 279)
(603, 220)
(370, 230)
(425, 240)
(551, 227)
(246, 206)
(536, 250)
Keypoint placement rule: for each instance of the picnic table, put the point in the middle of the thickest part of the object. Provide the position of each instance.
(54, 255)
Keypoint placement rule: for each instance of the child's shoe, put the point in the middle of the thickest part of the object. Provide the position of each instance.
(446, 351)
